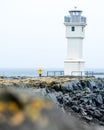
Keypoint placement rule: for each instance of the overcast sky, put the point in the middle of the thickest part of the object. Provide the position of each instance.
(32, 33)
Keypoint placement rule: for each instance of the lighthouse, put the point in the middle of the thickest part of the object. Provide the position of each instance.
(75, 30)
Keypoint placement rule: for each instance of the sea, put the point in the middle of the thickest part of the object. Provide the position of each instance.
(29, 72)
(33, 72)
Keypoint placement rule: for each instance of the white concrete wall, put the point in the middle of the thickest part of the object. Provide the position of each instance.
(79, 32)
(74, 48)
(70, 66)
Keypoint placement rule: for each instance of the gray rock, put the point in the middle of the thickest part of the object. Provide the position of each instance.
(52, 97)
(91, 84)
(60, 98)
(67, 86)
(67, 100)
(97, 113)
(83, 99)
(91, 101)
(82, 111)
(99, 100)
(75, 108)
(99, 83)
(80, 86)
(89, 118)
(83, 83)
(88, 90)
(90, 112)
(75, 85)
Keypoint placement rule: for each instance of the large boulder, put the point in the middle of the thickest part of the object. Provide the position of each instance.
(25, 112)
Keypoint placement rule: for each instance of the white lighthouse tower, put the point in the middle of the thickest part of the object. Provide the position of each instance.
(75, 30)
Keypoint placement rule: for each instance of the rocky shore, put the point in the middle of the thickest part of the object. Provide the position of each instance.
(82, 98)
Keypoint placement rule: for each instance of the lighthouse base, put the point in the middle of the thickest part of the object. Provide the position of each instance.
(73, 67)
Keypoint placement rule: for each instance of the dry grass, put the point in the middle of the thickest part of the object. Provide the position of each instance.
(33, 82)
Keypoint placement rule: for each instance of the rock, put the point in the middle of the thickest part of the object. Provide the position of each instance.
(88, 118)
(20, 112)
(52, 97)
(97, 114)
(56, 87)
(91, 84)
(84, 100)
(101, 123)
(79, 85)
(99, 100)
(91, 100)
(100, 83)
(60, 98)
(67, 100)
(72, 86)
(75, 108)
(83, 83)
(102, 118)
(43, 92)
(88, 90)
(74, 102)
(67, 86)
(82, 111)
(75, 87)
(90, 112)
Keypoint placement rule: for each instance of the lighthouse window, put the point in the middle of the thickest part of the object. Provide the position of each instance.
(73, 28)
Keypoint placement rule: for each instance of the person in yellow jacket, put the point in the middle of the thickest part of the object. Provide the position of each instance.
(40, 72)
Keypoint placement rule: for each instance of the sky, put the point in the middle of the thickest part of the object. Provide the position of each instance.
(32, 33)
